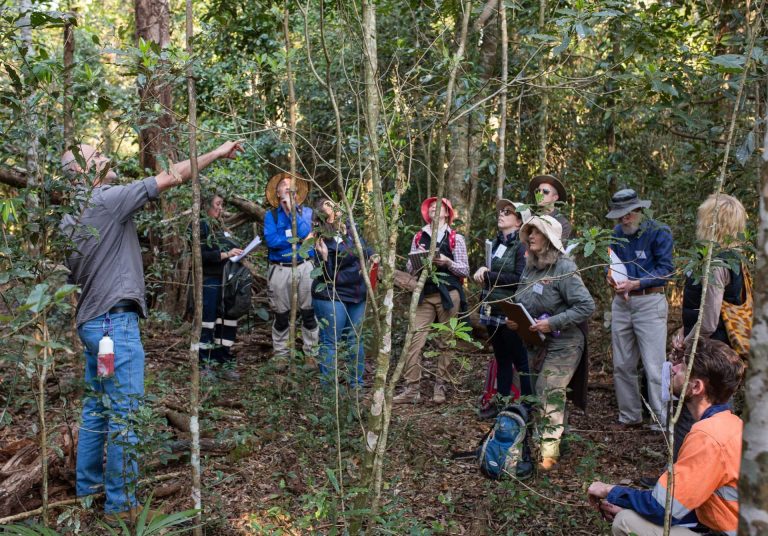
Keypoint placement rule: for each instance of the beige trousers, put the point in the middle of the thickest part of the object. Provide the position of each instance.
(429, 312)
(629, 522)
(551, 383)
(279, 293)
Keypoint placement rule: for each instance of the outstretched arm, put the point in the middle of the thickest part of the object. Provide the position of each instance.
(182, 171)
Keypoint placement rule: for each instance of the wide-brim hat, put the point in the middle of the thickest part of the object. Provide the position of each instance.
(521, 208)
(548, 226)
(548, 179)
(302, 188)
(625, 201)
(446, 203)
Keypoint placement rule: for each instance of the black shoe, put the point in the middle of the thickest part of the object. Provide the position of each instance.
(488, 413)
(524, 470)
(648, 482)
(525, 465)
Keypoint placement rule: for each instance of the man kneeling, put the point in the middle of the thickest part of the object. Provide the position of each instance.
(706, 474)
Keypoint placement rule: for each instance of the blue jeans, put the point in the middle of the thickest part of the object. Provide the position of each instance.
(341, 336)
(109, 412)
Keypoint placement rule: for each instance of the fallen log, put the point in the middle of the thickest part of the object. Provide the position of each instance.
(70, 502)
(20, 482)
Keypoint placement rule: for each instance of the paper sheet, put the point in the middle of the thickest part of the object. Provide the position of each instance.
(250, 247)
(617, 270)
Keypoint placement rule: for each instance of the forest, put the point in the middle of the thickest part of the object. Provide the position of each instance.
(377, 105)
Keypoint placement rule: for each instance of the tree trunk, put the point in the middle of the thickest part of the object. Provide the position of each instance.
(544, 102)
(501, 175)
(156, 142)
(292, 168)
(197, 264)
(69, 60)
(376, 434)
(153, 25)
(467, 130)
(753, 491)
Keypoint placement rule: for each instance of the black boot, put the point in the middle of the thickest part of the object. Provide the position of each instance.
(525, 465)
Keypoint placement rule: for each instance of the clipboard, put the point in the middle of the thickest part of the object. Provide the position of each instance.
(520, 315)
(418, 260)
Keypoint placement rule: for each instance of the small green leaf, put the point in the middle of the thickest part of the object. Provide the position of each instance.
(37, 299)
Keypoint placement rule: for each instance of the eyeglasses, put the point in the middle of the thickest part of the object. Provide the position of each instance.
(506, 212)
(545, 191)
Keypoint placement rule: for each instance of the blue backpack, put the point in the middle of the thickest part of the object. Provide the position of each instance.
(501, 453)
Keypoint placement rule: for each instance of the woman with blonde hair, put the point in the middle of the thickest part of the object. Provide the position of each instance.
(721, 220)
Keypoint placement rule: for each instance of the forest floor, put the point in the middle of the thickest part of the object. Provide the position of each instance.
(272, 459)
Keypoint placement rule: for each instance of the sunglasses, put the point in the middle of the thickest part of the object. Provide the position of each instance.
(506, 212)
(545, 191)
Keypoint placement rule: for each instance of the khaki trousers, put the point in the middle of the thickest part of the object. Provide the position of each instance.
(638, 331)
(429, 312)
(629, 522)
(279, 293)
(556, 373)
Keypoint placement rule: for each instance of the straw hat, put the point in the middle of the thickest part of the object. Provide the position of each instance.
(446, 203)
(302, 188)
(548, 226)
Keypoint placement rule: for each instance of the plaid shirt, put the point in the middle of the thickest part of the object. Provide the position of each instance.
(460, 265)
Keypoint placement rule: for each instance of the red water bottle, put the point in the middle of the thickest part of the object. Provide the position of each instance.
(105, 361)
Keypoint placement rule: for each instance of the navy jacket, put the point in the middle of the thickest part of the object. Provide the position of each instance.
(341, 278)
(647, 254)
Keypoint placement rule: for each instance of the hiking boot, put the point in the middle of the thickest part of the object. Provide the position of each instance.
(280, 363)
(207, 375)
(410, 395)
(647, 482)
(525, 465)
(130, 516)
(229, 375)
(547, 463)
(438, 394)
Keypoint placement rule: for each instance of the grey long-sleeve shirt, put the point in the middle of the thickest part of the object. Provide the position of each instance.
(558, 291)
(106, 260)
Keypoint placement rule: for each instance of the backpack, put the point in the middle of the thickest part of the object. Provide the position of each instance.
(737, 319)
(236, 283)
(502, 449)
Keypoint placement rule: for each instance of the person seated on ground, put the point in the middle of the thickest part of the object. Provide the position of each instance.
(218, 331)
(278, 235)
(721, 220)
(707, 470)
(438, 302)
(555, 296)
(339, 295)
(499, 283)
(546, 191)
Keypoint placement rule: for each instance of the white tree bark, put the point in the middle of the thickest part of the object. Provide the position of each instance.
(753, 481)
